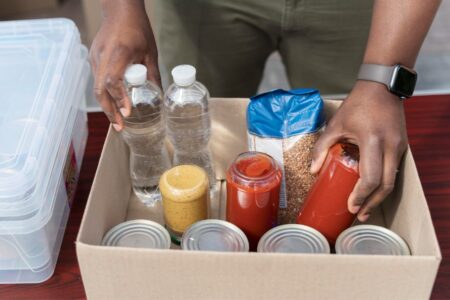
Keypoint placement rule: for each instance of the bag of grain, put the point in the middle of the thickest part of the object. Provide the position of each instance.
(285, 125)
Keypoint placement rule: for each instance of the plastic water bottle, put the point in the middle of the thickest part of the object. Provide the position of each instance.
(188, 120)
(144, 132)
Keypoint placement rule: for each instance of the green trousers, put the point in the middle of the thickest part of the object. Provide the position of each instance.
(321, 42)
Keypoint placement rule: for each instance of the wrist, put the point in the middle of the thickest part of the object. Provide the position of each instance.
(114, 7)
(374, 89)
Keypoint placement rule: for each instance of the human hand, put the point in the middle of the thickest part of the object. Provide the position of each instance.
(372, 118)
(125, 37)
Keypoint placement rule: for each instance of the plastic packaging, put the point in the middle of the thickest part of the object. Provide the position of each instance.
(144, 132)
(253, 191)
(286, 125)
(44, 78)
(188, 120)
(326, 208)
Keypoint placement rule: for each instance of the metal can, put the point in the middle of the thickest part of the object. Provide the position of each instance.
(214, 235)
(293, 238)
(371, 240)
(138, 234)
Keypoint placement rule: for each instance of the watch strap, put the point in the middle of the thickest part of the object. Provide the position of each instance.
(378, 73)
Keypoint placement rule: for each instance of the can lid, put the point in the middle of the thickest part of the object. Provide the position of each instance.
(371, 239)
(293, 238)
(138, 234)
(214, 235)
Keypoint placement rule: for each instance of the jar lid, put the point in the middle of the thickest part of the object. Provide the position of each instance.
(254, 169)
(293, 238)
(214, 235)
(372, 240)
(184, 183)
(138, 234)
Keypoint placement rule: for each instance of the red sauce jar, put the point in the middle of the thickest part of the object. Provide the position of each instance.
(325, 207)
(253, 194)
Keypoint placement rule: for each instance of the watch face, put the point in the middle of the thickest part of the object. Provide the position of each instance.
(404, 82)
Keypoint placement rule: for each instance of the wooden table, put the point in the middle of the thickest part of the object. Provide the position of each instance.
(428, 119)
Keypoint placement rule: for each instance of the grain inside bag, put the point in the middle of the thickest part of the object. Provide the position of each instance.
(286, 125)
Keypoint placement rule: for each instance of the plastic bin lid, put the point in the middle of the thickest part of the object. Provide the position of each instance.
(37, 57)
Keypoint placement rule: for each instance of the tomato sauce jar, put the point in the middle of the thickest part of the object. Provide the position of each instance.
(253, 194)
(325, 207)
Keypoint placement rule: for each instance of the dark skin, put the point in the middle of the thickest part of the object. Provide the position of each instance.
(125, 37)
(371, 117)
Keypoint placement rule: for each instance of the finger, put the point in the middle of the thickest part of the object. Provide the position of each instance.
(113, 80)
(93, 60)
(152, 70)
(390, 165)
(370, 171)
(328, 138)
(106, 103)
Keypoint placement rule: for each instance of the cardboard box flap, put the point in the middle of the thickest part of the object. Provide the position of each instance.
(407, 213)
(155, 274)
(110, 191)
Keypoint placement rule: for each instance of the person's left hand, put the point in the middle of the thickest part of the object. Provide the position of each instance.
(372, 118)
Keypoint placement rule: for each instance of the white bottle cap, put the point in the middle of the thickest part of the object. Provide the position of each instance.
(136, 74)
(184, 75)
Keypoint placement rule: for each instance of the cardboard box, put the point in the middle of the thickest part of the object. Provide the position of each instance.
(128, 273)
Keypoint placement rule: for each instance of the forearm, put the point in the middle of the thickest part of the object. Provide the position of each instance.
(398, 30)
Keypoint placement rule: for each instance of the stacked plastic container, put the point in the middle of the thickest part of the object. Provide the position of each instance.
(43, 131)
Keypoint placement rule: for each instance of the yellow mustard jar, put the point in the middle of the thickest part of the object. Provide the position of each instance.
(185, 196)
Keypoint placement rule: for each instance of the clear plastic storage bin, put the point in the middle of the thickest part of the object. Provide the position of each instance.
(43, 132)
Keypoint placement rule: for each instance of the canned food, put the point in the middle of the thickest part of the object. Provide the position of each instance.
(138, 234)
(372, 240)
(293, 238)
(214, 235)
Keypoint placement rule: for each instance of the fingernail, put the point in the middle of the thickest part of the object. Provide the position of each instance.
(313, 165)
(117, 127)
(364, 217)
(125, 112)
(355, 208)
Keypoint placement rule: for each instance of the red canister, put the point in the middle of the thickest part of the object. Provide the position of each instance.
(325, 207)
(253, 194)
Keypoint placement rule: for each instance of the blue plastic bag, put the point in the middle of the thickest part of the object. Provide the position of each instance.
(285, 125)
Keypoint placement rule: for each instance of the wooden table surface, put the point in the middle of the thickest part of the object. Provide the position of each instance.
(428, 120)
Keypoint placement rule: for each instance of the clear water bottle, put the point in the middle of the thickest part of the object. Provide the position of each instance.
(188, 120)
(144, 132)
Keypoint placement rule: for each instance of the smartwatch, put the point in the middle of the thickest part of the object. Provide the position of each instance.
(399, 80)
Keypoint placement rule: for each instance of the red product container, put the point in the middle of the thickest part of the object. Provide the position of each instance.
(253, 194)
(325, 207)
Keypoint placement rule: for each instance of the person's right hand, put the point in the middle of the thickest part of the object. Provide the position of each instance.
(125, 37)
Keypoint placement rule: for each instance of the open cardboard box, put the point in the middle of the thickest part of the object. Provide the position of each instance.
(130, 273)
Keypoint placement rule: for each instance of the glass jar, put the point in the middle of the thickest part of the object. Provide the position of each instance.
(326, 207)
(253, 194)
(185, 196)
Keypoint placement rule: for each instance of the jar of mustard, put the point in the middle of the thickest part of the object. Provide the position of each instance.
(185, 196)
